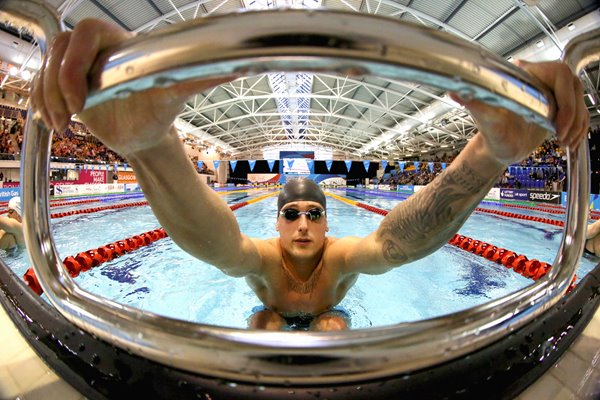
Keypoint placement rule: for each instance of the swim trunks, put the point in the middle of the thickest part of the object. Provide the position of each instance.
(302, 322)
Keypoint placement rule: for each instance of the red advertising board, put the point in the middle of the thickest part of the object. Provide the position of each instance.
(91, 176)
(11, 184)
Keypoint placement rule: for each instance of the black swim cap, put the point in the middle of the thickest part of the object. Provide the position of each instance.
(300, 189)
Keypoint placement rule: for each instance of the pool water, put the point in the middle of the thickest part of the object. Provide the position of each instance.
(162, 279)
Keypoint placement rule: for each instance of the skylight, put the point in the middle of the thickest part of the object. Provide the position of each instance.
(292, 90)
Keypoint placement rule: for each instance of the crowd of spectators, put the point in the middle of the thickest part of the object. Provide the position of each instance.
(76, 143)
(594, 142)
(11, 137)
(543, 169)
(422, 175)
(203, 169)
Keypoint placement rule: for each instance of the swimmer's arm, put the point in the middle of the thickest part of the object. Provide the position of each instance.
(427, 220)
(11, 226)
(593, 230)
(194, 216)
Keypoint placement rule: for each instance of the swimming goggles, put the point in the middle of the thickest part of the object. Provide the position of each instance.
(314, 214)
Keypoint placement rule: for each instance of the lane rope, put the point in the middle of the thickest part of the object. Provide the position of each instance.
(519, 263)
(86, 260)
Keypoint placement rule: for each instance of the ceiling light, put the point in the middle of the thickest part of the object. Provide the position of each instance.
(26, 74)
(13, 70)
(591, 98)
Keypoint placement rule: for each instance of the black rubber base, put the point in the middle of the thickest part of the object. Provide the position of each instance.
(101, 371)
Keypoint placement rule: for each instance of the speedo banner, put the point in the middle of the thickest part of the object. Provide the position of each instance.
(545, 197)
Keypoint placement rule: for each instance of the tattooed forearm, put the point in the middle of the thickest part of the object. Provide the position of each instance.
(428, 219)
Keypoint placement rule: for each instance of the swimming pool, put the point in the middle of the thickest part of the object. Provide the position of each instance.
(163, 279)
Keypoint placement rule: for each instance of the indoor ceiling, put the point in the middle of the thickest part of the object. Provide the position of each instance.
(346, 117)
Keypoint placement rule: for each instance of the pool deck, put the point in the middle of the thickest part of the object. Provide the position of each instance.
(25, 376)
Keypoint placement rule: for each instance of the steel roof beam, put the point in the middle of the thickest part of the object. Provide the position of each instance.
(154, 6)
(110, 15)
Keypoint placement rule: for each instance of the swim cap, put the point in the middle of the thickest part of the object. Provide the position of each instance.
(15, 204)
(300, 189)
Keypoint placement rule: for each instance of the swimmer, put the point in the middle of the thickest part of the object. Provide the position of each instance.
(592, 243)
(11, 228)
(303, 273)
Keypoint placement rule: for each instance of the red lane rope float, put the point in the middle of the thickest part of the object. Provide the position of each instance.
(532, 269)
(72, 203)
(55, 203)
(86, 260)
(561, 207)
(521, 216)
(95, 209)
(530, 208)
(549, 205)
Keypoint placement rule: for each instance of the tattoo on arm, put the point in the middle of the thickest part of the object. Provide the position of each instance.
(428, 218)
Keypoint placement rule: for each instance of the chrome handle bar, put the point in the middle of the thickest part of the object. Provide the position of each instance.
(296, 40)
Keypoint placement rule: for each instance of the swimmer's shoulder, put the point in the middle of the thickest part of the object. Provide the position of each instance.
(269, 249)
(337, 249)
(7, 241)
(342, 244)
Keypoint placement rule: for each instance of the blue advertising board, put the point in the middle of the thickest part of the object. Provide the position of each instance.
(8, 193)
(514, 194)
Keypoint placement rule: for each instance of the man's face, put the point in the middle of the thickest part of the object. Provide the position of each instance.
(302, 238)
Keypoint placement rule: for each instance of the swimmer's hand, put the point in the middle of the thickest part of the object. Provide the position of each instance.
(127, 126)
(509, 138)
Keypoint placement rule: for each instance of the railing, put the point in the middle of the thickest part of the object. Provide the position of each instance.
(314, 41)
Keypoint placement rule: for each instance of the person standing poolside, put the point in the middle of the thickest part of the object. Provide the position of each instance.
(302, 273)
(11, 227)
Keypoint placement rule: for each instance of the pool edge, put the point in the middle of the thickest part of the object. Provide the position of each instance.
(99, 370)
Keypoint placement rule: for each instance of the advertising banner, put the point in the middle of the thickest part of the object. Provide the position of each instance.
(334, 181)
(86, 189)
(10, 184)
(91, 176)
(132, 187)
(514, 194)
(405, 188)
(8, 193)
(126, 177)
(594, 200)
(545, 197)
(263, 178)
(493, 194)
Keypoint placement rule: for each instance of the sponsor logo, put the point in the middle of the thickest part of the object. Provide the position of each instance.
(513, 194)
(8, 193)
(545, 197)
